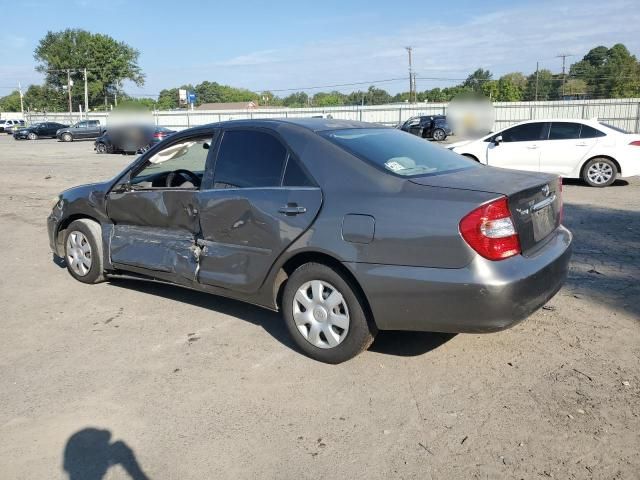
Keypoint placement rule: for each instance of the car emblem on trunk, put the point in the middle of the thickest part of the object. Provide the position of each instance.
(545, 190)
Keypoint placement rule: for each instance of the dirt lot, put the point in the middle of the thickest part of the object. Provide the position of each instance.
(183, 385)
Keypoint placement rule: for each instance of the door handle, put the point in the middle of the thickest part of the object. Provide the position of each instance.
(582, 144)
(292, 209)
(191, 210)
(532, 147)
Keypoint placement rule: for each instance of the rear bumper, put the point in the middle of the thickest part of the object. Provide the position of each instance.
(485, 296)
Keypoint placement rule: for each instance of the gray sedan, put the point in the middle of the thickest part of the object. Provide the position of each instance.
(347, 228)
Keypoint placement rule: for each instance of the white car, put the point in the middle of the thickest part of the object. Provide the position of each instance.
(7, 125)
(594, 151)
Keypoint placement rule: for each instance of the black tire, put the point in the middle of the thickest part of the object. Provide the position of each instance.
(101, 148)
(599, 172)
(439, 135)
(361, 330)
(32, 136)
(67, 137)
(93, 235)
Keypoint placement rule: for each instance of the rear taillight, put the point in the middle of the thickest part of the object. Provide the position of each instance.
(635, 143)
(489, 230)
(157, 135)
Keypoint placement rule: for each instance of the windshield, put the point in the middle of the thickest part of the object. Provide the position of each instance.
(398, 152)
(617, 129)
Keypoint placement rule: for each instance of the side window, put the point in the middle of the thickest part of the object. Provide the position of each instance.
(564, 131)
(528, 132)
(81, 125)
(295, 176)
(249, 159)
(189, 154)
(590, 132)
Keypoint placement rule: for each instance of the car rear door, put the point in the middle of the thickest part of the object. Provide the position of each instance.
(259, 201)
(155, 226)
(519, 148)
(567, 147)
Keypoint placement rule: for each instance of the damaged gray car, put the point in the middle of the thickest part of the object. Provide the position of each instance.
(347, 228)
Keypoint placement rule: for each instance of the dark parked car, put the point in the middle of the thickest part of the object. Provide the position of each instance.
(346, 227)
(81, 130)
(428, 126)
(131, 139)
(38, 130)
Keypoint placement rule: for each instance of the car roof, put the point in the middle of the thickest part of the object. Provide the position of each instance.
(314, 124)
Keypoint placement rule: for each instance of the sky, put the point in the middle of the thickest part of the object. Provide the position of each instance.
(288, 45)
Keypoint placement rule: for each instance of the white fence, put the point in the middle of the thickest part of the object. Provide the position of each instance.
(623, 113)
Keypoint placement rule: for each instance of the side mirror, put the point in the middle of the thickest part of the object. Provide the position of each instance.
(497, 140)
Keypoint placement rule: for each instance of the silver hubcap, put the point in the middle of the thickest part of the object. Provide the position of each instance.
(600, 173)
(78, 253)
(321, 314)
(438, 135)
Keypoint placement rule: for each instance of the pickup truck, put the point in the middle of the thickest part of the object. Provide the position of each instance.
(83, 129)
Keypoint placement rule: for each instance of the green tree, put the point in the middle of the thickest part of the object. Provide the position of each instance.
(511, 87)
(44, 98)
(547, 86)
(297, 99)
(108, 61)
(11, 102)
(328, 99)
(609, 72)
(476, 79)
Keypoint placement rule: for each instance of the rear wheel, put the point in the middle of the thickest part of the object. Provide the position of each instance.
(439, 135)
(599, 172)
(83, 251)
(32, 136)
(325, 315)
(67, 137)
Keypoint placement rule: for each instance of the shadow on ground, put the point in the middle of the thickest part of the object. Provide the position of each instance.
(606, 256)
(90, 453)
(388, 342)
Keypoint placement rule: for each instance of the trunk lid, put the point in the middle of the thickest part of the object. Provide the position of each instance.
(535, 199)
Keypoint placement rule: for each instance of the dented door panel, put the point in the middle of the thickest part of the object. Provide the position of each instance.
(155, 230)
(157, 249)
(245, 230)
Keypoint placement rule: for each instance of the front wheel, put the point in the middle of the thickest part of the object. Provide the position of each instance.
(439, 135)
(83, 251)
(67, 137)
(325, 314)
(32, 136)
(599, 172)
(101, 147)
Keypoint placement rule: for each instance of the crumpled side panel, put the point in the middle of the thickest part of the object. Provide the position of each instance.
(172, 251)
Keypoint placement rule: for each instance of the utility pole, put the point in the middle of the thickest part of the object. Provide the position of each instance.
(537, 70)
(564, 58)
(69, 93)
(86, 96)
(409, 50)
(21, 104)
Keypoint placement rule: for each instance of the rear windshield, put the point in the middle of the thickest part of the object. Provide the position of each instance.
(399, 152)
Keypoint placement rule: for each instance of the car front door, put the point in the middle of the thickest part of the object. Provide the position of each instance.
(568, 145)
(79, 130)
(519, 147)
(260, 200)
(155, 213)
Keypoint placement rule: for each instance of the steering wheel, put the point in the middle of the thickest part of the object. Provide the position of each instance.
(184, 174)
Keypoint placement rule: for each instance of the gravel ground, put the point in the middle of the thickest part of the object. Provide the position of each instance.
(136, 379)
